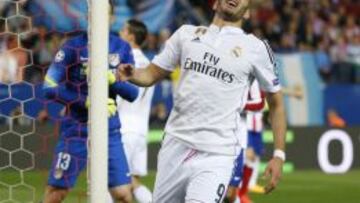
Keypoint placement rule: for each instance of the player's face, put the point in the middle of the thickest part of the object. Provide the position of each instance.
(231, 10)
(124, 33)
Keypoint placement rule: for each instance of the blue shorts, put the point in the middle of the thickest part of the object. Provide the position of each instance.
(71, 157)
(255, 142)
(237, 173)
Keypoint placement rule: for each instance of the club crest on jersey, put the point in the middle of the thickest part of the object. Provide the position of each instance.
(200, 31)
(60, 56)
(114, 59)
(236, 52)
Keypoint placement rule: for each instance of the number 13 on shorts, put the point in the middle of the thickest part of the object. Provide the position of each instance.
(63, 161)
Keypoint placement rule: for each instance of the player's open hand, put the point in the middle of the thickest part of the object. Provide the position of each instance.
(274, 172)
(125, 72)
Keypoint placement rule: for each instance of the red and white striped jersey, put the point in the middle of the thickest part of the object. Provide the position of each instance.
(254, 108)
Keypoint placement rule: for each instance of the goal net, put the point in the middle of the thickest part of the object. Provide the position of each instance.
(31, 34)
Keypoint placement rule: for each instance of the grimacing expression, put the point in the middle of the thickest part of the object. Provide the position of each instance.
(232, 10)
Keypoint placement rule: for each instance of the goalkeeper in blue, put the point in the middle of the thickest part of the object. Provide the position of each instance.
(66, 82)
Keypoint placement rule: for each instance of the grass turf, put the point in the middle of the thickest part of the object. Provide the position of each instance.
(298, 187)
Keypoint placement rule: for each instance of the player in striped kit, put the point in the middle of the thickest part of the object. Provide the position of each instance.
(254, 117)
(218, 63)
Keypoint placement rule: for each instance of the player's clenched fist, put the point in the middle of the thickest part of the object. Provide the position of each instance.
(125, 72)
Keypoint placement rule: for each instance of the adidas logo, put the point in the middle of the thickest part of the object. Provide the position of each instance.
(197, 39)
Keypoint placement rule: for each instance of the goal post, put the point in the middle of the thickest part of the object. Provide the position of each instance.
(98, 31)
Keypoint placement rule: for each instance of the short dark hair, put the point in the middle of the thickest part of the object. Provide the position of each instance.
(138, 29)
(112, 6)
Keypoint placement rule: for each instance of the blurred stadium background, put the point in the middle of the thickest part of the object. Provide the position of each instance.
(317, 43)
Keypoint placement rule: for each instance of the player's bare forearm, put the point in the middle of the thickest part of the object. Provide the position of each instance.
(278, 124)
(144, 77)
(277, 119)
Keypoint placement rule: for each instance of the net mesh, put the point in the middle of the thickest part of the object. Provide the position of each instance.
(31, 32)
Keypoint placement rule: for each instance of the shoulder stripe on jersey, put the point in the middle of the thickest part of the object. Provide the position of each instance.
(269, 50)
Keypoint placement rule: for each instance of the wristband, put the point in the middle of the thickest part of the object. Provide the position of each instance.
(280, 154)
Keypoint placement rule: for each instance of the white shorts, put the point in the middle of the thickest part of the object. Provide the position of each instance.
(135, 147)
(185, 175)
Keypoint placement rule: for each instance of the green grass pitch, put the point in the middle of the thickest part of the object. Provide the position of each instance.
(298, 187)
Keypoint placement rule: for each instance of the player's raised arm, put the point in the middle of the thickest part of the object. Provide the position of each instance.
(125, 90)
(54, 87)
(144, 77)
(162, 65)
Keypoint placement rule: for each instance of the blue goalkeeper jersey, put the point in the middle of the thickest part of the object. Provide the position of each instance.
(66, 81)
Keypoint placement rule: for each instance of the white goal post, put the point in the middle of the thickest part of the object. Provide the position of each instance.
(98, 31)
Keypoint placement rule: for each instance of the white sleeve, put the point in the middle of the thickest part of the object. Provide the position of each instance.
(265, 70)
(169, 57)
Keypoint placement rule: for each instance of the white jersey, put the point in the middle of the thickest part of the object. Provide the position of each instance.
(217, 66)
(134, 116)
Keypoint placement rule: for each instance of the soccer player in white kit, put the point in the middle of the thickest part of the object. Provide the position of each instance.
(134, 116)
(201, 143)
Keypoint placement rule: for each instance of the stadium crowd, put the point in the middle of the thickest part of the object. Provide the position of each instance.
(330, 29)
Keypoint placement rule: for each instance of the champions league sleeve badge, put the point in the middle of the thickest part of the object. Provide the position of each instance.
(60, 55)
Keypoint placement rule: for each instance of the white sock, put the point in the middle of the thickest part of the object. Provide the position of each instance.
(142, 194)
(255, 174)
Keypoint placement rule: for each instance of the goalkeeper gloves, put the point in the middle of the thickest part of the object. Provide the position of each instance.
(111, 77)
(111, 106)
